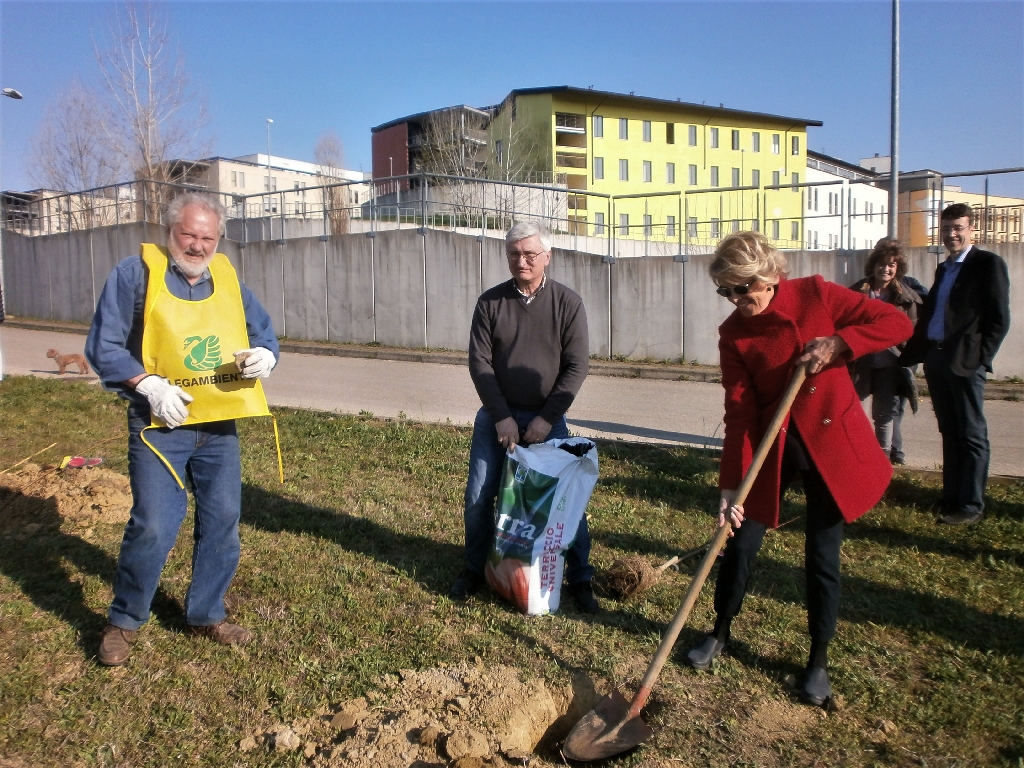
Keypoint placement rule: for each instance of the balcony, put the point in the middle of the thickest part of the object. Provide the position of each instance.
(566, 122)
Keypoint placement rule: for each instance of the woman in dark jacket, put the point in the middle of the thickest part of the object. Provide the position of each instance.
(778, 323)
(879, 375)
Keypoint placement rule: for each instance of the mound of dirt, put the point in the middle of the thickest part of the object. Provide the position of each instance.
(466, 716)
(35, 498)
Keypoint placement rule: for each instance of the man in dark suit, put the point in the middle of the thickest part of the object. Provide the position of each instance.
(964, 319)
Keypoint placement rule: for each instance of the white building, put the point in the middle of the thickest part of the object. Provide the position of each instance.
(843, 207)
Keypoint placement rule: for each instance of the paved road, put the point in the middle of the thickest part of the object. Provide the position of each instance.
(629, 409)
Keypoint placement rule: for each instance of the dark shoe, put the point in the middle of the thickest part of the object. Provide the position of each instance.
(224, 633)
(897, 459)
(816, 689)
(966, 517)
(583, 595)
(116, 645)
(465, 585)
(701, 656)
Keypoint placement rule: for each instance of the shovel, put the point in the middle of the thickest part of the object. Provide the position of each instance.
(615, 724)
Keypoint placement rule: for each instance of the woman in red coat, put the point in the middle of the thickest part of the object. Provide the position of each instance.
(827, 438)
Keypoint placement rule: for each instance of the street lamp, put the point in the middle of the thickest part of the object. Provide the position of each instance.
(11, 94)
(267, 205)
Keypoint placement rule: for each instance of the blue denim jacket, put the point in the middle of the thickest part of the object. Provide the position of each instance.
(114, 344)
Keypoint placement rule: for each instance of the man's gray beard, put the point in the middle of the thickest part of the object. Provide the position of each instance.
(189, 271)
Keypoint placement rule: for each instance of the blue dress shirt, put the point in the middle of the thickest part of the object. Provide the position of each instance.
(114, 344)
(937, 325)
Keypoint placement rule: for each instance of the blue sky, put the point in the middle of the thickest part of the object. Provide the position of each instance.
(346, 66)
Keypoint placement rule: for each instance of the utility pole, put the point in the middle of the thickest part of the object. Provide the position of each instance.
(10, 93)
(894, 125)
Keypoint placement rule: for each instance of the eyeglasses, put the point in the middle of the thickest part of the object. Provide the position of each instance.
(739, 290)
(529, 256)
(957, 229)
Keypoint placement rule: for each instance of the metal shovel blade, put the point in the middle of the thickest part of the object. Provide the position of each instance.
(606, 730)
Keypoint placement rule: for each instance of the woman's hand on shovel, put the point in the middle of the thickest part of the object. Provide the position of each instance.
(735, 510)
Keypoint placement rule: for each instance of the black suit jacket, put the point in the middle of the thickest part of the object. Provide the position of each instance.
(977, 316)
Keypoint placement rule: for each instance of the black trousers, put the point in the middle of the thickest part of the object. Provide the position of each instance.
(821, 549)
(959, 403)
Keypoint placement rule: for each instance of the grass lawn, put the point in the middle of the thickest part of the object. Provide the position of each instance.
(343, 579)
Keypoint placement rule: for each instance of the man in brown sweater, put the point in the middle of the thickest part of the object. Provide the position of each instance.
(528, 356)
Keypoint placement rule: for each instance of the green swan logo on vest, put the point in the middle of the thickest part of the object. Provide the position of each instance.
(204, 354)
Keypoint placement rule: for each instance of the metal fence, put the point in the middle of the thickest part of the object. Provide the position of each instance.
(793, 215)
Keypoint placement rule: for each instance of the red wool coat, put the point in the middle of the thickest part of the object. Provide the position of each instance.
(757, 356)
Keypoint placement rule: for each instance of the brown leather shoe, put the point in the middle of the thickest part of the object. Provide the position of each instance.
(115, 645)
(224, 633)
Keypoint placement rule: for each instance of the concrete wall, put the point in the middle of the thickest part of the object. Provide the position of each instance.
(416, 288)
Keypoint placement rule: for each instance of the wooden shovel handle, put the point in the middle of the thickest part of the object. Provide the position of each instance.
(690, 599)
(667, 564)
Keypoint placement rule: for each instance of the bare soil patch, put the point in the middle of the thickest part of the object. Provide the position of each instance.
(35, 499)
(466, 716)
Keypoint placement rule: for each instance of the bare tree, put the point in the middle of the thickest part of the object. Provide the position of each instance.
(70, 151)
(154, 115)
(329, 156)
(454, 144)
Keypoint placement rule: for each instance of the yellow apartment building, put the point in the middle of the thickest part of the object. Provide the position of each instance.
(673, 171)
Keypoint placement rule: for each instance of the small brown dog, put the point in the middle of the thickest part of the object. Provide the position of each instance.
(66, 361)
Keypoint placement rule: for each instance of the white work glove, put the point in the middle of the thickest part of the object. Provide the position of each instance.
(168, 403)
(255, 363)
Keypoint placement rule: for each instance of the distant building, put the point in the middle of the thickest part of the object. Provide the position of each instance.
(289, 187)
(845, 208)
(676, 171)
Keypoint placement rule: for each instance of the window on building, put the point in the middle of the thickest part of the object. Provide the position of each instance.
(623, 223)
(775, 178)
(648, 226)
(794, 180)
(735, 139)
(815, 198)
(716, 228)
(831, 208)
(794, 234)
(755, 178)
(691, 226)
(647, 130)
(296, 186)
(599, 223)
(623, 170)
(735, 225)
(693, 176)
(796, 145)
(670, 173)
(670, 226)
(735, 177)
(775, 229)
(691, 133)
(497, 152)
(755, 141)
(234, 178)
(714, 138)
(670, 133)
(623, 128)
(241, 179)
(598, 167)
(714, 175)
(647, 171)
(776, 142)
(598, 127)
(755, 225)
(816, 239)
(355, 197)
(853, 207)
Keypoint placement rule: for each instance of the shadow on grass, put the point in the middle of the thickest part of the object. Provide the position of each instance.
(36, 565)
(432, 563)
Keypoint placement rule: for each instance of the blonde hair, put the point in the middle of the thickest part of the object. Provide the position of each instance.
(743, 257)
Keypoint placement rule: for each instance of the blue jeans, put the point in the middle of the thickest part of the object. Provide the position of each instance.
(486, 461)
(959, 403)
(206, 457)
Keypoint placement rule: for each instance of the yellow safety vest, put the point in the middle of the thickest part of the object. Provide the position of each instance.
(190, 343)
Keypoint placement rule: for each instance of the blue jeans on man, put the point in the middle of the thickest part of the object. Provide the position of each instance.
(486, 462)
(205, 456)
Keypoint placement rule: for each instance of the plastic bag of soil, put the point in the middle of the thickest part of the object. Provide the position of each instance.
(544, 493)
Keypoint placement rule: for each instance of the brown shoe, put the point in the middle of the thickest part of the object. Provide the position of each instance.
(224, 633)
(115, 645)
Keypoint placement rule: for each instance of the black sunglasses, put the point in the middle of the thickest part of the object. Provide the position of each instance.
(739, 290)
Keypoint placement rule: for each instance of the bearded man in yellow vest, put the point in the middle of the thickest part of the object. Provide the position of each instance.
(177, 335)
